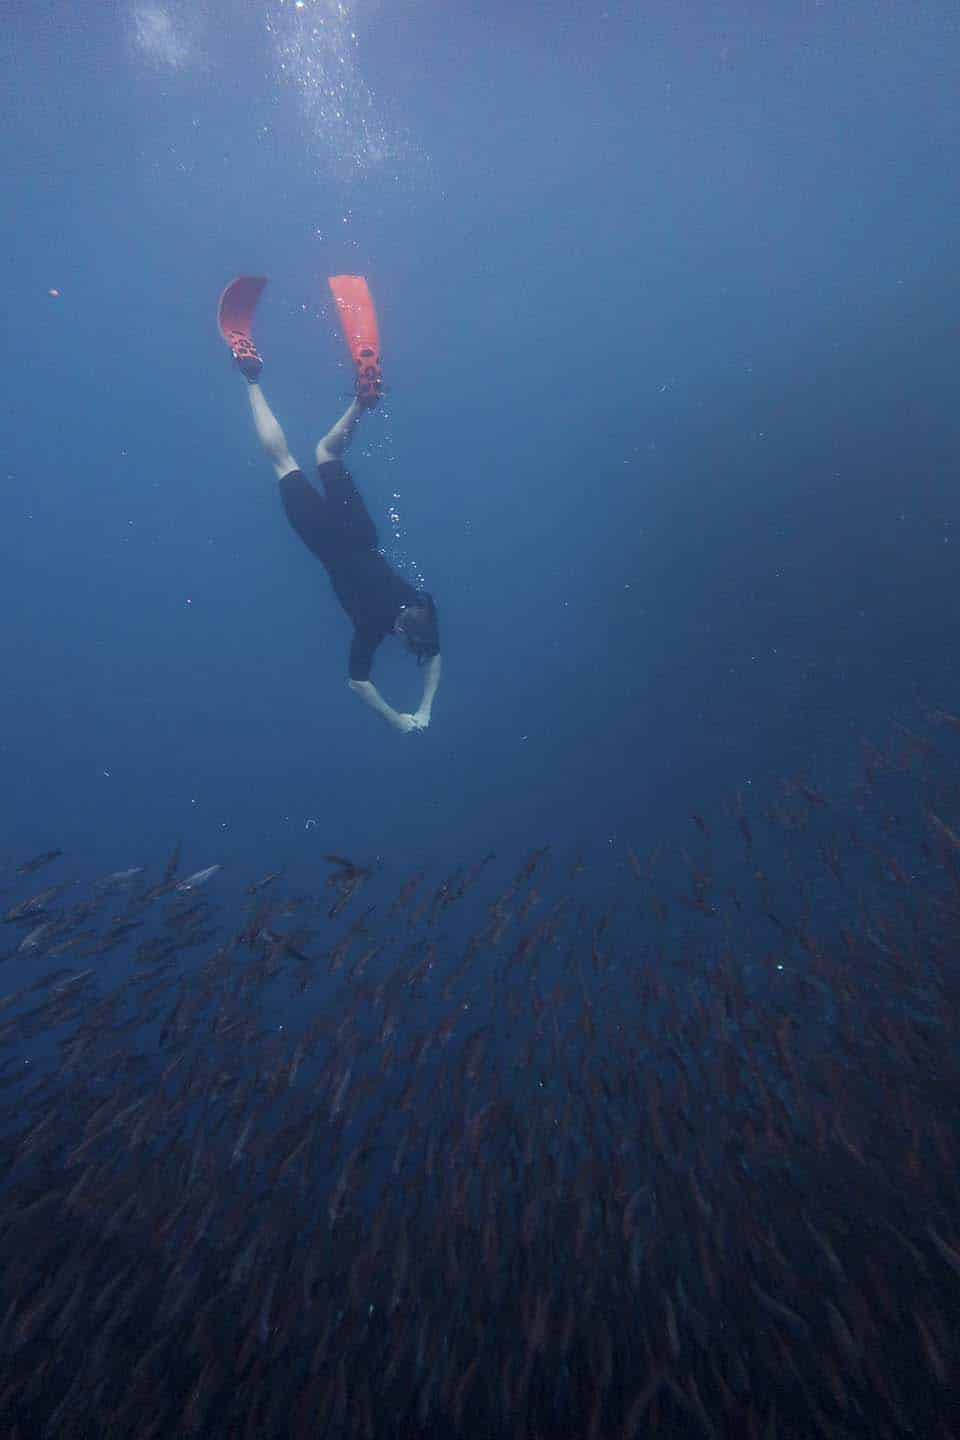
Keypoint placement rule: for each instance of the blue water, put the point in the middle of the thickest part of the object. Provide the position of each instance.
(668, 306)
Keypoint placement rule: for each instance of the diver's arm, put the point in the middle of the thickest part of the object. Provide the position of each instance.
(369, 692)
(430, 682)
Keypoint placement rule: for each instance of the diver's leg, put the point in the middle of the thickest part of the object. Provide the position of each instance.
(269, 434)
(356, 527)
(336, 440)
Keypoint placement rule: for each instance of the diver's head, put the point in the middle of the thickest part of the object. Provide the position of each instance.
(416, 625)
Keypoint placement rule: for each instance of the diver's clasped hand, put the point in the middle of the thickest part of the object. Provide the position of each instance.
(408, 723)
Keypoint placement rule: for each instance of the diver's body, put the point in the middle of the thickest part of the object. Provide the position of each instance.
(336, 526)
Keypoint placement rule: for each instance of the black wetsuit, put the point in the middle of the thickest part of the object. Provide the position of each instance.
(337, 527)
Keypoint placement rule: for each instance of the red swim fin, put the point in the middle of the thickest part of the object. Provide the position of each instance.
(358, 321)
(235, 318)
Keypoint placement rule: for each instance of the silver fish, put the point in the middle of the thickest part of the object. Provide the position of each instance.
(198, 878)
